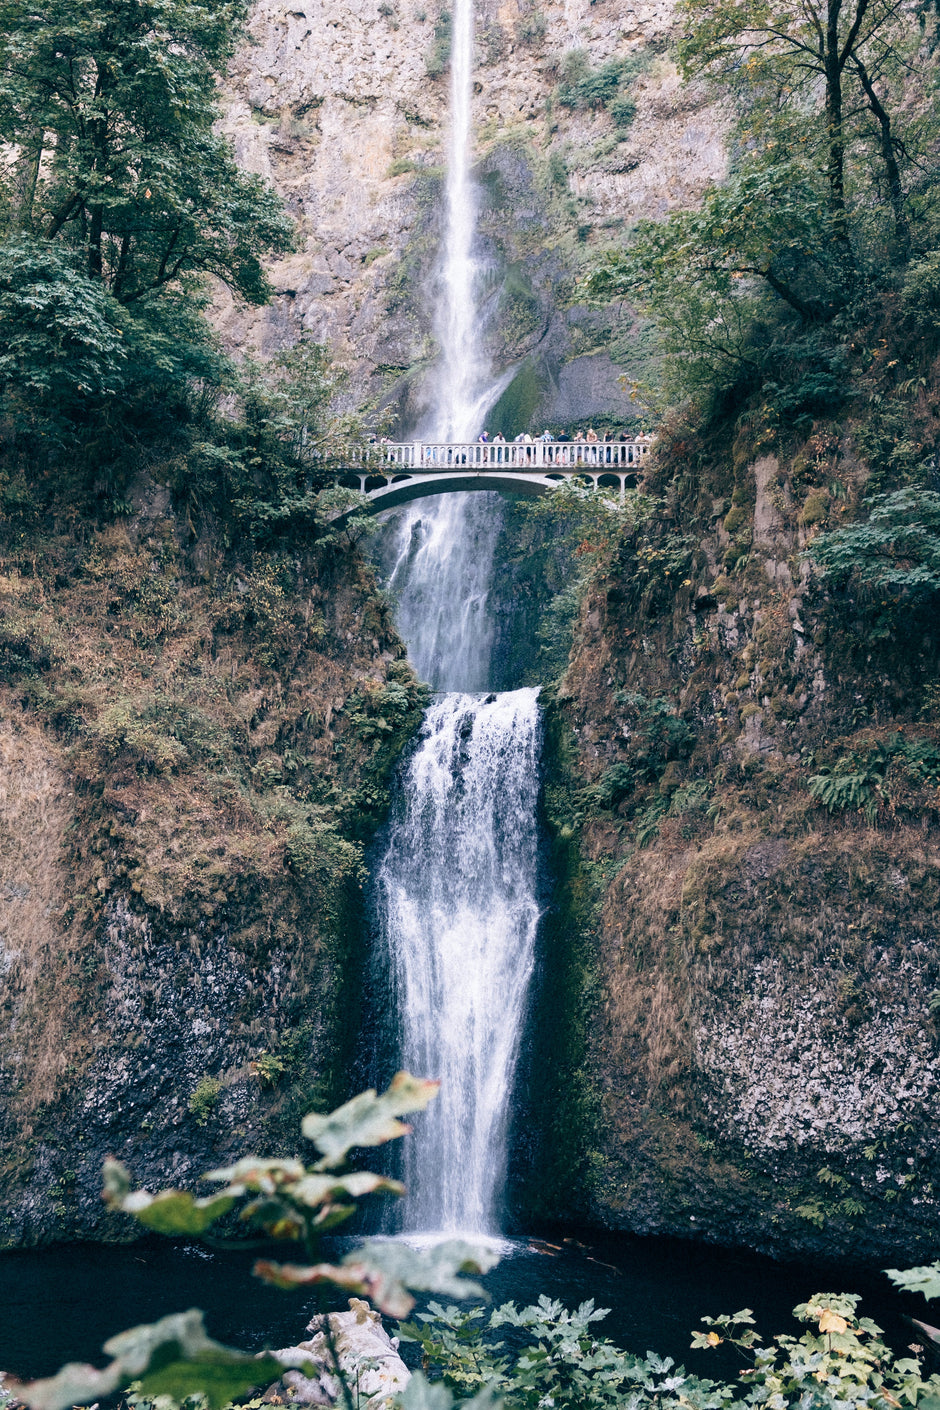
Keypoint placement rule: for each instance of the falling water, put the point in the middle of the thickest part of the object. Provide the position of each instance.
(440, 560)
(456, 891)
(463, 370)
(458, 904)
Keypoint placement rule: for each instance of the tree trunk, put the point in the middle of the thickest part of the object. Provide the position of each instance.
(835, 135)
(902, 232)
(98, 131)
(28, 181)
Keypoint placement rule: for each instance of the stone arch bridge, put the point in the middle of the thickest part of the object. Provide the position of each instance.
(394, 474)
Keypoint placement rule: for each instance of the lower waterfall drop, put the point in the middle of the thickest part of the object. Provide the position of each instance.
(457, 902)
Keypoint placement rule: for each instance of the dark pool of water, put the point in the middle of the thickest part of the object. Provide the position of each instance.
(62, 1303)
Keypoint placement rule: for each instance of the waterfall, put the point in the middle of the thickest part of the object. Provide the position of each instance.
(458, 908)
(463, 371)
(441, 578)
(455, 893)
(440, 560)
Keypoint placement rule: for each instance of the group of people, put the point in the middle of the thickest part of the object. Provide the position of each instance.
(583, 448)
(589, 437)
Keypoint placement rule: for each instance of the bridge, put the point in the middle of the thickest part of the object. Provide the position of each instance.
(394, 474)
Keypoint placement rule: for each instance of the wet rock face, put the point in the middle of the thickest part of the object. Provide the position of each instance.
(763, 1050)
(180, 924)
(336, 105)
(152, 1042)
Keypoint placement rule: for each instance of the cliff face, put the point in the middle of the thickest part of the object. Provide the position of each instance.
(343, 107)
(195, 750)
(761, 1060)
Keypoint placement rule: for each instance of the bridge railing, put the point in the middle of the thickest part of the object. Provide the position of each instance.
(542, 456)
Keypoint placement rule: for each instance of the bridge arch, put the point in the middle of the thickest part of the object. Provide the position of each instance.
(391, 475)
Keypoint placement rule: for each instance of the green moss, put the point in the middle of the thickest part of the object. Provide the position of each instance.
(563, 1104)
(518, 404)
(204, 1098)
(816, 508)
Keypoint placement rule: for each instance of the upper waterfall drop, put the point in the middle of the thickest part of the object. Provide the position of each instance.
(463, 375)
(440, 561)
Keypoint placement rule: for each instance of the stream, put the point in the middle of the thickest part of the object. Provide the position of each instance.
(61, 1303)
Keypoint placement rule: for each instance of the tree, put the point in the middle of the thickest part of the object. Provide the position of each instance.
(111, 106)
(829, 191)
(847, 57)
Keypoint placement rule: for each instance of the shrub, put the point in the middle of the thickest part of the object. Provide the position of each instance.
(204, 1098)
(532, 27)
(896, 550)
(439, 57)
(554, 1357)
(606, 88)
(879, 778)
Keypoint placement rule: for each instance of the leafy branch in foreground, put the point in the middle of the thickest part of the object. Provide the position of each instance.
(555, 1358)
(289, 1200)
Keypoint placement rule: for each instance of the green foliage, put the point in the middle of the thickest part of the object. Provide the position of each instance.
(880, 778)
(925, 1279)
(170, 1357)
(658, 736)
(532, 26)
(267, 469)
(590, 521)
(583, 87)
(555, 1357)
(551, 1356)
(439, 57)
(123, 198)
(202, 1104)
(921, 292)
(583, 529)
(60, 333)
(759, 287)
(894, 553)
(112, 108)
(288, 1200)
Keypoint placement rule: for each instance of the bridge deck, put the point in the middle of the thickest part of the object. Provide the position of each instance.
(394, 474)
(428, 456)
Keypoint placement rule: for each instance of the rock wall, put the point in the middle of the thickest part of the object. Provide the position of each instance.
(336, 105)
(194, 752)
(760, 1058)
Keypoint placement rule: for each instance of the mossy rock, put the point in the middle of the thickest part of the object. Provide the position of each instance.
(816, 508)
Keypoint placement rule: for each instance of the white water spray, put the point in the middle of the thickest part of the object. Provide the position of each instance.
(458, 910)
(456, 892)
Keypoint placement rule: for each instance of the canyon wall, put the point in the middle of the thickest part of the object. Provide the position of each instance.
(343, 107)
(752, 974)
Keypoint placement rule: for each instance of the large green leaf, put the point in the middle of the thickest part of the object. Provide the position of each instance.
(925, 1279)
(384, 1271)
(170, 1211)
(173, 1357)
(368, 1119)
(316, 1189)
(218, 1376)
(258, 1175)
